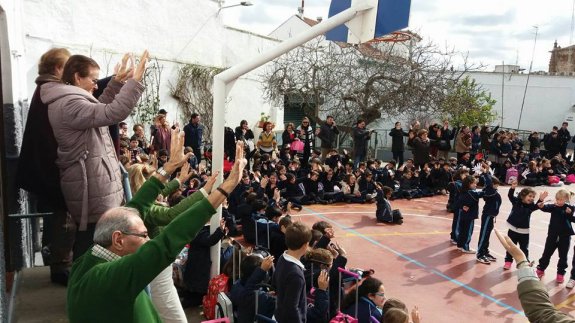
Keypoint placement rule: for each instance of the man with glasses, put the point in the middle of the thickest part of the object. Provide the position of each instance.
(109, 282)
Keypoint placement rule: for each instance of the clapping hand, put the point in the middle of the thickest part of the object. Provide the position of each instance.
(185, 173)
(415, 316)
(210, 182)
(514, 184)
(177, 156)
(267, 263)
(323, 280)
(141, 68)
(511, 247)
(124, 71)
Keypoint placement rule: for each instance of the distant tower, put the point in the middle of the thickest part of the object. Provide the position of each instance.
(554, 60)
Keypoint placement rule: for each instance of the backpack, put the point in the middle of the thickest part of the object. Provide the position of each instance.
(223, 308)
(511, 175)
(343, 318)
(217, 285)
(570, 178)
(553, 180)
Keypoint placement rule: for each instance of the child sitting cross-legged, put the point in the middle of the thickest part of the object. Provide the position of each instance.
(384, 213)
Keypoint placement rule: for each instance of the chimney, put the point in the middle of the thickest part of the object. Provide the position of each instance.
(319, 19)
(300, 12)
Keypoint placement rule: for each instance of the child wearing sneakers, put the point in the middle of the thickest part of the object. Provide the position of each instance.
(519, 218)
(558, 234)
(468, 210)
(492, 200)
(454, 189)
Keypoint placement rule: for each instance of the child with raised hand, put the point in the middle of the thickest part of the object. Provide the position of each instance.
(492, 200)
(519, 218)
(559, 235)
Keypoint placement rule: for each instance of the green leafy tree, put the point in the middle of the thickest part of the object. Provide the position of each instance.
(467, 103)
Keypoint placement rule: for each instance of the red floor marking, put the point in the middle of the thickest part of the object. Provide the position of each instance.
(439, 300)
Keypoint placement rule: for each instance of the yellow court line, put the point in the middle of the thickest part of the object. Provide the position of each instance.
(566, 303)
(396, 234)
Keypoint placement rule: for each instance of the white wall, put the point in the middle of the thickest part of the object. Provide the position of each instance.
(289, 28)
(549, 99)
(175, 32)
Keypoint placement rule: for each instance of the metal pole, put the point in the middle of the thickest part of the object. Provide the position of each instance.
(528, 76)
(502, 90)
(223, 83)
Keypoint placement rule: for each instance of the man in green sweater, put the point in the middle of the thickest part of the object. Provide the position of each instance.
(108, 283)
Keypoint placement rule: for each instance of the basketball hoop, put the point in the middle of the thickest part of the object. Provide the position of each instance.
(394, 37)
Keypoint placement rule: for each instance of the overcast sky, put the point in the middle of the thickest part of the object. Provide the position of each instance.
(491, 31)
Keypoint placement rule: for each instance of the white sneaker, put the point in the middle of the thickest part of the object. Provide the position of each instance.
(470, 251)
(570, 284)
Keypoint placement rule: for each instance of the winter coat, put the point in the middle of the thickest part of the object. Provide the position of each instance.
(328, 135)
(37, 170)
(197, 270)
(397, 139)
(89, 169)
(486, 136)
(420, 151)
(193, 135)
(463, 142)
(360, 139)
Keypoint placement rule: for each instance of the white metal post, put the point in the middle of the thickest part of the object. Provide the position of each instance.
(222, 84)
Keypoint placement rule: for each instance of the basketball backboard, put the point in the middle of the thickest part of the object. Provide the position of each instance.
(385, 17)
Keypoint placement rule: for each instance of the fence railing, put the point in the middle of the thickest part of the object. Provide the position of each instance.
(381, 141)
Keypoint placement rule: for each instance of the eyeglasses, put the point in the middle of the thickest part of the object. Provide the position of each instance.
(143, 235)
(95, 81)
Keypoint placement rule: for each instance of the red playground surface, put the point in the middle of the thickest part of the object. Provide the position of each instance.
(418, 264)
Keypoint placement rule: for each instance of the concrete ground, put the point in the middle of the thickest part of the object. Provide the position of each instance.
(39, 301)
(415, 261)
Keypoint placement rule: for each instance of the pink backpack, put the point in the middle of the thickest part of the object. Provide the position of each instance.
(343, 318)
(553, 180)
(570, 178)
(511, 175)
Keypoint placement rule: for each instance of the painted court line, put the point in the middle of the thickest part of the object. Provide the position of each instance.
(396, 234)
(531, 243)
(411, 260)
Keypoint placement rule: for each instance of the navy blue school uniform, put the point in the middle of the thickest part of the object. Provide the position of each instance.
(454, 191)
(289, 281)
(469, 199)
(493, 201)
(559, 235)
(243, 294)
(365, 310)
(518, 222)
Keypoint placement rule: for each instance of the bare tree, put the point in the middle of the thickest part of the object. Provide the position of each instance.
(367, 81)
(193, 90)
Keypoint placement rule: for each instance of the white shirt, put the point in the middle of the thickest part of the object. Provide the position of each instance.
(293, 259)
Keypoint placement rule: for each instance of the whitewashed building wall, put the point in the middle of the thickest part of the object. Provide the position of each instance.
(175, 32)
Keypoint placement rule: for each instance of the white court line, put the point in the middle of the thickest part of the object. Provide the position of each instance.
(418, 215)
